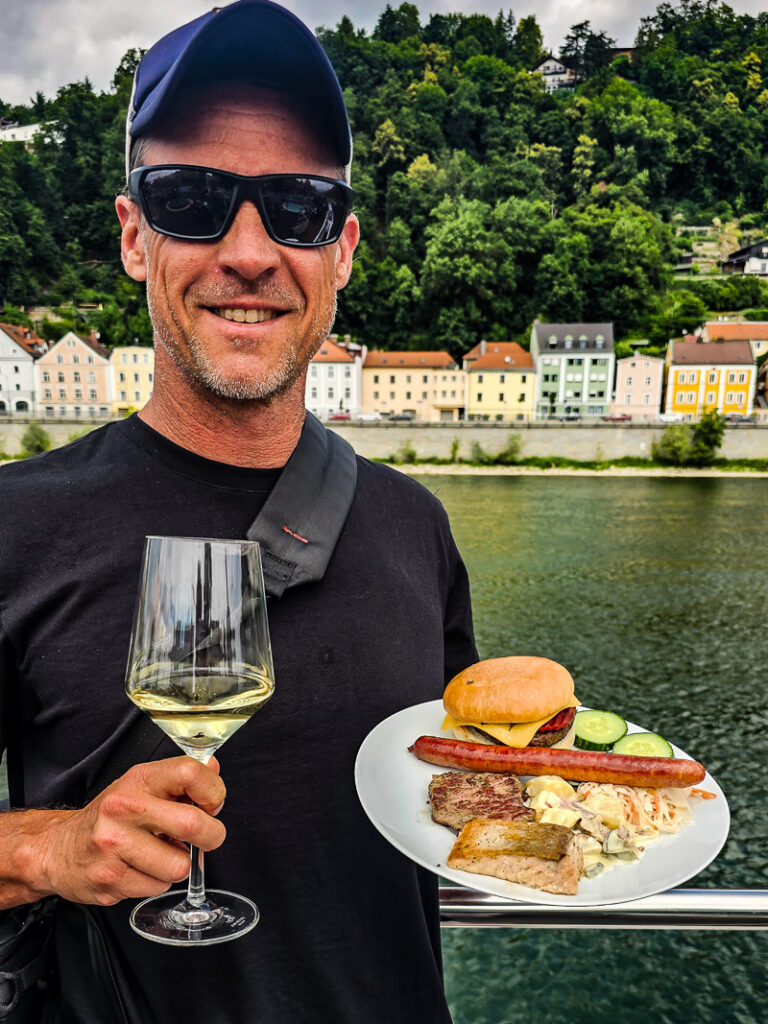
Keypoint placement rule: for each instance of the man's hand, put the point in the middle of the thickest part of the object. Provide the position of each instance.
(125, 842)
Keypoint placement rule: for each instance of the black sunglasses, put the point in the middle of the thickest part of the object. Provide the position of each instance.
(200, 203)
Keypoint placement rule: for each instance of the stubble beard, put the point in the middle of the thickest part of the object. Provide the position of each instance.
(202, 372)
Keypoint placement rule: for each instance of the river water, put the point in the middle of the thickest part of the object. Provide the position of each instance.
(653, 592)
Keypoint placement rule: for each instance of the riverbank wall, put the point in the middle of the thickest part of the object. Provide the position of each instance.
(582, 441)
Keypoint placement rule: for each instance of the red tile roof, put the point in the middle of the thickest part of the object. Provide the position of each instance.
(751, 331)
(720, 352)
(330, 352)
(412, 360)
(502, 355)
(24, 338)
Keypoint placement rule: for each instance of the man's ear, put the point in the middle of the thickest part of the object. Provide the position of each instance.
(131, 240)
(347, 244)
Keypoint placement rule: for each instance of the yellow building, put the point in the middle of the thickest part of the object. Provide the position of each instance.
(133, 370)
(427, 385)
(501, 383)
(703, 376)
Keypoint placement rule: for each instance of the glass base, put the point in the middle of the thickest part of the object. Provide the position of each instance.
(171, 920)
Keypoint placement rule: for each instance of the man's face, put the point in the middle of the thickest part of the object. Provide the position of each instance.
(200, 293)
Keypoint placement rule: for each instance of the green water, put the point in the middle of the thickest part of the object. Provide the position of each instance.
(654, 593)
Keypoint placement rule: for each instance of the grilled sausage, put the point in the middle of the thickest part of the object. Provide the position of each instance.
(576, 765)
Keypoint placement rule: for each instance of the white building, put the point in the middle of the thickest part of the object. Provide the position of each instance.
(19, 350)
(334, 380)
(574, 369)
(555, 74)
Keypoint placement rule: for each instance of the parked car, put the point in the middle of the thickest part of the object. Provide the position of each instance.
(369, 417)
(568, 417)
(337, 416)
(400, 416)
(671, 417)
(737, 417)
(617, 417)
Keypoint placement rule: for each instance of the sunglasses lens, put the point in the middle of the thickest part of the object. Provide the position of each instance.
(186, 201)
(304, 211)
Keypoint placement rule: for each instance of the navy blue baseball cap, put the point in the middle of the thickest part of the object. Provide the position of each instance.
(253, 41)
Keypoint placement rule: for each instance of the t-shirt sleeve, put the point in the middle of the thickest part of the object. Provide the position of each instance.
(458, 629)
(7, 682)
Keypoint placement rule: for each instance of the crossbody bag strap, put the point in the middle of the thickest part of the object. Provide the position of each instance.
(302, 518)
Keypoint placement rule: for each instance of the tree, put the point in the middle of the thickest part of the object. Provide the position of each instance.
(528, 41)
(396, 25)
(674, 446)
(706, 439)
(586, 51)
(35, 440)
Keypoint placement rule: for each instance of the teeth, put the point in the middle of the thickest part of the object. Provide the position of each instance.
(246, 316)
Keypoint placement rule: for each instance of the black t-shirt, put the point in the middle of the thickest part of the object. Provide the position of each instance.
(349, 928)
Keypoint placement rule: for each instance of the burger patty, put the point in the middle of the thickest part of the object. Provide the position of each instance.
(555, 729)
(459, 797)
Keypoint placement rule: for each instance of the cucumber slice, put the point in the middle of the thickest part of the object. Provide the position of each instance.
(643, 744)
(598, 730)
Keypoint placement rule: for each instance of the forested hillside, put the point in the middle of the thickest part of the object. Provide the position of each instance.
(484, 201)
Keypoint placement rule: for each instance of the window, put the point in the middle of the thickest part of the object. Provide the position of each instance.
(501, 378)
(691, 378)
(146, 358)
(392, 380)
(742, 378)
(711, 398)
(391, 394)
(347, 372)
(681, 378)
(313, 393)
(123, 396)
(647, 382)
(331, 371)
(103, 411)
(121, 377)
(375, 378)
(443, 394)
(347, 393)
(313, 370)
(501, 396)
(376, 396)
(46, 377)
(408, 378)
(628, 400)
(70, 344)
(125, 357)
(646, 399)
(408, 395)
(425, 379)
(15, 369)
(712, 376)
(690, 398)
(524, 378)
(78, 394)
(62, 395)
(47, 393)
(92, 394)
(59, 359)
(629, 382)
(90, 359)
(479, 378)
(75, 358)
(135, 357)
(740, 398)
(49, 410)
(150, 375)
(731, 378)
(136, 396)
(91, 377)
(330, 392)
(424, 396)
(76, 377)
(136, 378)
(479, 396)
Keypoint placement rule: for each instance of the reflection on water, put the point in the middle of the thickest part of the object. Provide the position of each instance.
(653, 592)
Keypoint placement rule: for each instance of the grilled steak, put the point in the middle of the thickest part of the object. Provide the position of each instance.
(459, 797)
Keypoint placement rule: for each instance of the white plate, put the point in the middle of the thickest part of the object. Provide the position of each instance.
(392, 787)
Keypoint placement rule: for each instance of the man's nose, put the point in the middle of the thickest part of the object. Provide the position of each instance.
(247, 249)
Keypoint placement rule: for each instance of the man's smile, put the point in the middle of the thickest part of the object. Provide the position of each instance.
(245, 316)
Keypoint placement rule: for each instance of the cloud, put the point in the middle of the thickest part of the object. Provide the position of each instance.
(55, 42)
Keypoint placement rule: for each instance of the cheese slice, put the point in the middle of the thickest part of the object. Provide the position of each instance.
(519, 735)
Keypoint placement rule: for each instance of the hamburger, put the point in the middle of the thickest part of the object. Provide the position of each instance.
(517, 701)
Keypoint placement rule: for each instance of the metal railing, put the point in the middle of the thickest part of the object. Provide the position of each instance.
(709, 909)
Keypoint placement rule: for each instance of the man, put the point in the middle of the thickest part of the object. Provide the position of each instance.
(241, 288)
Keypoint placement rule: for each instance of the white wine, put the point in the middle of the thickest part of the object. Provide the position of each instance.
(200, 711)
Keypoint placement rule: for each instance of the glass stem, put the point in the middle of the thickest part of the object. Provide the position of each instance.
(196, 883)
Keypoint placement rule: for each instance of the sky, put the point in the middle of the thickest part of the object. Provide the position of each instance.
(50, 43)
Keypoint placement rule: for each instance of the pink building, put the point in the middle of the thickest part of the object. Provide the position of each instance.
(75, 379)
(639, 385)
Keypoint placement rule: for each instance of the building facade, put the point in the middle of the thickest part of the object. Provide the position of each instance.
(753, 331)
(334, 381)
(20, 348)
(430, 386)
(555, 74)
(574, 369)
(703, 376)
(75, 379)
(639, 387)
(133, 375)
(500, 383)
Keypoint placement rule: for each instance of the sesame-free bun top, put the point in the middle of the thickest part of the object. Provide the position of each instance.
(514, 689)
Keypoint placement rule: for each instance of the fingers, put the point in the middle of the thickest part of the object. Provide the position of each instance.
(183, 776)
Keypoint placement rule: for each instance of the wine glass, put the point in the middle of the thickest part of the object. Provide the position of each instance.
(200, 664)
